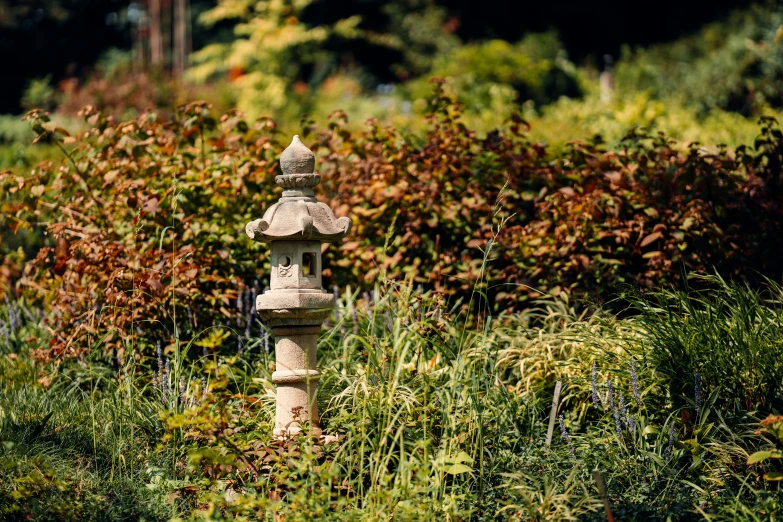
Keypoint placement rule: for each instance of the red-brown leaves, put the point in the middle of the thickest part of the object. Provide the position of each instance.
(146, 223)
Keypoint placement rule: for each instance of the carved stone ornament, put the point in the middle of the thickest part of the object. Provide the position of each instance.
(296, 303)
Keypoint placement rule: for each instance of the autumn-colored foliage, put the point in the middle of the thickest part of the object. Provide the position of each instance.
(648, 213)
(143, 223)
(144, 219)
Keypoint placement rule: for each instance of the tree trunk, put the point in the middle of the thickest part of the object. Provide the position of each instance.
(181, 23)
(166, 33)
(156, 42)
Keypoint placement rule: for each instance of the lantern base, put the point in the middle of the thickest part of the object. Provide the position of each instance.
(294, 307)
(323, 438)
(293, 431)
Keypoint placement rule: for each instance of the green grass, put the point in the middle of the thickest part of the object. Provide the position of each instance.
(81, 449)
(438, 418)
(16, 149)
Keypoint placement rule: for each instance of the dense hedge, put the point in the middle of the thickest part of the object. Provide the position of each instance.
(144, 220)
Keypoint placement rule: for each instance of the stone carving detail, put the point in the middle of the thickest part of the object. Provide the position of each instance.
(298, 181)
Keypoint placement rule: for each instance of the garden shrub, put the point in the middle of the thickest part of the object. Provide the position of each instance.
(140, 228)
(567, 119)
(123, 94)
(488, 75)
(142, 222)
(115, 88)
(271, 51)
(644, 213)
(734, 65)
(585, 221)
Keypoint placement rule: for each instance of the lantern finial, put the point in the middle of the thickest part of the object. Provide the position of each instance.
(298, 165)
(297, 159)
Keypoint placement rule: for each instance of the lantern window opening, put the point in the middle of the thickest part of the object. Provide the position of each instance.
(285, 261)
(309, 264)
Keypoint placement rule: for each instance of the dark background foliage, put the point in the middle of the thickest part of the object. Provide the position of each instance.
(63, 38)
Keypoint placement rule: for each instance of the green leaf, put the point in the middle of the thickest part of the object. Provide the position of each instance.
(456, 469)
(458, 464)
(773, 476)
(461, 457)
(649, 429)
(763, 455)
(214, 339)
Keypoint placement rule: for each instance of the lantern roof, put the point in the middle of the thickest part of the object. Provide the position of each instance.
(298, 215)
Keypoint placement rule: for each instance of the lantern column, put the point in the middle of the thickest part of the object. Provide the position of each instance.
(296, 304)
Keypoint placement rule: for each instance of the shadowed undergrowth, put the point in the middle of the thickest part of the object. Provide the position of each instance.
(437, 418)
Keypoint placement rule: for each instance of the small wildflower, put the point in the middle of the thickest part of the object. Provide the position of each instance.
(697, 390)
(632, 425)
(623, 408)
(617, 424)
(267, 349)
(11, 315)
(204, 389)
(594, 384)
(389, 321)
(6, 334)
(668, 451)
(166, 382)
(367, 302)
(183, 399)
(635, 383)
(159, 350)
(567, 437)
(18, 313)
(354, 318)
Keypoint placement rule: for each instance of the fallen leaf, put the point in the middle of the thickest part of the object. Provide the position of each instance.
(151, 205)
(650, 238)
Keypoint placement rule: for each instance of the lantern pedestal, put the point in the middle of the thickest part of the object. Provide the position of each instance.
(295, 318)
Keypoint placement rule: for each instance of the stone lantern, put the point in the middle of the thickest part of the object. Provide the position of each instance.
(296, 305)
